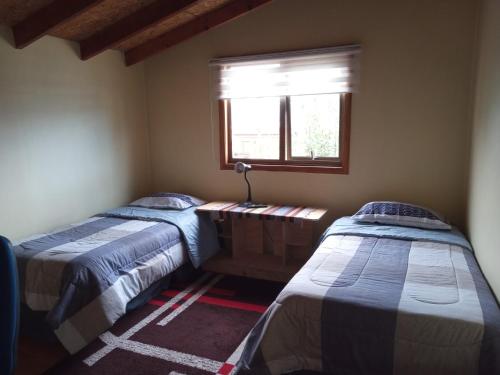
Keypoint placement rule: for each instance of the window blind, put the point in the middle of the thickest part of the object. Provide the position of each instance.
(317, 71)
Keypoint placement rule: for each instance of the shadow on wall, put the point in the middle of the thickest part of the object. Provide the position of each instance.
(7, 35)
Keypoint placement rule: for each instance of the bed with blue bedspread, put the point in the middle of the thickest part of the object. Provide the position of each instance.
(83, 276)
(381, 299)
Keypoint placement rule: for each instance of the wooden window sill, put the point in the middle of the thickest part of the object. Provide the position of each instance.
(326, 169)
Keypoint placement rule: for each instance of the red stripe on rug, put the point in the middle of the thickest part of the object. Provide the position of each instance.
(220, 302)
(217, 291)
(225, 369)
(158, 302)
(170, 293)
(232, 304)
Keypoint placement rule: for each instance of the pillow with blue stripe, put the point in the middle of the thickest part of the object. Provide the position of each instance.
(403, 214)
(168, 201)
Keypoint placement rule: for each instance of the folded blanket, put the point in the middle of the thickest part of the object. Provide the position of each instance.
(198, 231)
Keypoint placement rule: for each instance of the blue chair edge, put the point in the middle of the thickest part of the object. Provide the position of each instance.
(11, 308)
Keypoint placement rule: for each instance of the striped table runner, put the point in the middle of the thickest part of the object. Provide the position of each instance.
(225, 210)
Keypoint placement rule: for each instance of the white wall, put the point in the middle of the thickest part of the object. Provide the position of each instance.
(73, 135)
(484, 194)
(74, 138)
(410, 119)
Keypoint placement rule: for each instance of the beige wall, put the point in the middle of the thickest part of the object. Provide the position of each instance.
(74, 139)
(73, 135)
(484, 194)
(410, 119)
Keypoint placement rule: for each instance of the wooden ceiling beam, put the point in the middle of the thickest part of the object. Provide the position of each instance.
(47, 18)
(130, 26)
(200, 24)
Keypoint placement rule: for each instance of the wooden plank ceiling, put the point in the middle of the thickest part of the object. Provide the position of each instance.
(139, 28)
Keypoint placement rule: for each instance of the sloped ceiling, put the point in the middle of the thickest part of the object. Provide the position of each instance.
(139, 28)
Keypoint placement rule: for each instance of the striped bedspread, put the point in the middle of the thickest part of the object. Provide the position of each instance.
(84, 275)
(381, 304)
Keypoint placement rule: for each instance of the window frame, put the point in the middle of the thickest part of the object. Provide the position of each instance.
(338, 165)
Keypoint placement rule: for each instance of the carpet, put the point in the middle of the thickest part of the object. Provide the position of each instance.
(195, 328)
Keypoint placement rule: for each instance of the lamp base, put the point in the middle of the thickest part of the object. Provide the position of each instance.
(252, 205)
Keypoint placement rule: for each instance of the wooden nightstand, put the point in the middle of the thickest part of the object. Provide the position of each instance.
(269, 243)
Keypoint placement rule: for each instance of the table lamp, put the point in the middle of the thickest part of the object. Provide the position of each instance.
(240, 167)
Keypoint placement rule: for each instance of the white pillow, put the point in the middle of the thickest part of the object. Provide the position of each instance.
(167, 201)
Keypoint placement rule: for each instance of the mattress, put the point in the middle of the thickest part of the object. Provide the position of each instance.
(381, 300)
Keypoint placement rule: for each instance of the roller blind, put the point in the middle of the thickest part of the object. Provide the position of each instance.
(317, 71)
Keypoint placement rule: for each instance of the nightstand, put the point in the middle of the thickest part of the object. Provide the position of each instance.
(269, 243)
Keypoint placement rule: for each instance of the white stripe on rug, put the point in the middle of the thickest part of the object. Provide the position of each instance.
(189, 302)
(94, 358)
(162, 353)
(235, 357)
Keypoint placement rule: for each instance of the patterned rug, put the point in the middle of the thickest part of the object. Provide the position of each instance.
(191, 329)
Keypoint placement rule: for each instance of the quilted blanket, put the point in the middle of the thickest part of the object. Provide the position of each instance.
(384, 301)
(84, 275)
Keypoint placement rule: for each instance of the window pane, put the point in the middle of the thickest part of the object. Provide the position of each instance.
(315, 121)
(255, 127)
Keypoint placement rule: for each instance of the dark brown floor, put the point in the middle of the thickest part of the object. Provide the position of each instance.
(35, 357)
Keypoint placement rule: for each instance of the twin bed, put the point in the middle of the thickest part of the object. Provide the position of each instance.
(381, 299)
(373, 299)
(83, 277)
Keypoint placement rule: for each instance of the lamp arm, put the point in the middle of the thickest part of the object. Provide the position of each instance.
(249, 196)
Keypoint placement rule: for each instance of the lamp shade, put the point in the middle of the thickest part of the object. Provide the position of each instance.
(241, 167)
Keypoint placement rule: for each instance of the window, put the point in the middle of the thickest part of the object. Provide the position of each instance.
(287, 111)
